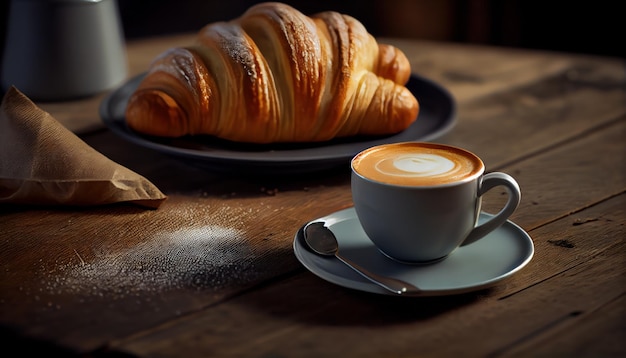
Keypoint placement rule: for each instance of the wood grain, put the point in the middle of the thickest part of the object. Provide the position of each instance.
(318, 319)
(212, 272)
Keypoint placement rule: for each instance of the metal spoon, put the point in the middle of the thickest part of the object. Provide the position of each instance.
(321, 240)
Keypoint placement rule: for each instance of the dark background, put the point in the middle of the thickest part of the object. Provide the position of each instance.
(592, 27)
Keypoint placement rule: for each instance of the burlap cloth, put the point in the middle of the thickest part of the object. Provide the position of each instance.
(43, 163)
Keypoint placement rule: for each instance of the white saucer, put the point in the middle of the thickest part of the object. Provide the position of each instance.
(495, 257)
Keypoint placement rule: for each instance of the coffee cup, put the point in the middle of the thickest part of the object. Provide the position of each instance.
(419, 201)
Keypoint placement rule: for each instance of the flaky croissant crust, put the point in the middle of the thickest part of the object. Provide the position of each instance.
(276, 75)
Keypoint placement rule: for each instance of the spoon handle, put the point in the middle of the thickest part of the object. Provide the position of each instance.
(392, 284)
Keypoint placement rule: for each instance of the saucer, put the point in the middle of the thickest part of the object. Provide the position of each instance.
(479, 265)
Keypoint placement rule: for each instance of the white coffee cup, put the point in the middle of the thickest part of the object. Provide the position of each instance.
(418, 202)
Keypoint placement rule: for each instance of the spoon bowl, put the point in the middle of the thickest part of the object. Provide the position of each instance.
(322, 241)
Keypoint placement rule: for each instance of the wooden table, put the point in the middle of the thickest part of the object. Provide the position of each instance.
(212, 272)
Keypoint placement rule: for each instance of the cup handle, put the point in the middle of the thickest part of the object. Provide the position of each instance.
(488, 182)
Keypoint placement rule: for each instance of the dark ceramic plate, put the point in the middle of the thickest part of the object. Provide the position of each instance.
(436, 116)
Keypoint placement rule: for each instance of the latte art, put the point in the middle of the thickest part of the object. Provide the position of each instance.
(416, 165)
(413, 163)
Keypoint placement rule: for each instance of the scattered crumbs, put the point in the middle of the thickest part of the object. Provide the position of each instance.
(206, 257)
(562, 243)
(583, 221)
(82, 262)
(535, 203)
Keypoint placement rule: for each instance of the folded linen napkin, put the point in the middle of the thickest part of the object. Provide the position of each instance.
(43, 163)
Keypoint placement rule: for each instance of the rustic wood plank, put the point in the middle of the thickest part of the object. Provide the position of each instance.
(600, 333)
(98, 273)
(519, 131)
(202, 210)
(492, 69)
(149, 265)
(573, 176)
(320, 319)
(549, 259)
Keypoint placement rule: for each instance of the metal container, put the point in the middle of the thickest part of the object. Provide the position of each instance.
(63, 49)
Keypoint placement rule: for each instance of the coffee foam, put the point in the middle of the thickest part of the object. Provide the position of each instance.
(415, 163)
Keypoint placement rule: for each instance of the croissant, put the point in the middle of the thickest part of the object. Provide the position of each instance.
(275, 75)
